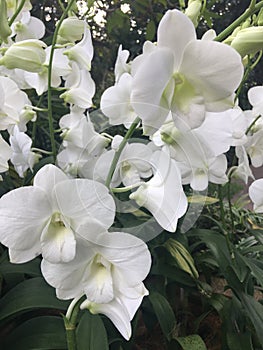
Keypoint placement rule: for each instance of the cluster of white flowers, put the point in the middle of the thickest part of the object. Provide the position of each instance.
(183, 91)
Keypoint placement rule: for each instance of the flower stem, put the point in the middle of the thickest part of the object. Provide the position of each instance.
(49, 93)
(126, 189)
(253, 8)
(120, 149)
(18, 10)
(70, 321)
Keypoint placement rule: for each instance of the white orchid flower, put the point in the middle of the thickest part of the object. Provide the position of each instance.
(163, 194)
(185, 76)
(82, 143)
(134, 164)
(78, 131)
(81, 88)
(5, 154)
(254, 148)
(22, 157)
(121, 65)
(242, 170)
(256, 195)
(82, 52)
(14, 106)
(43, 218)
(115, 102)
(108, 269)
(199, 152)
(28, 27)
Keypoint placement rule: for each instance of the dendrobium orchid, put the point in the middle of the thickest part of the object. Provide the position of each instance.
(5, 154)
(108, 269)
(57, 206)
(22, 157)
(163, 194)
(28, 27)
(184, 76)
(15, 106)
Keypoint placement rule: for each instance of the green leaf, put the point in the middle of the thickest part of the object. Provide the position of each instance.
(239, 341)
(191, 342)
(91, 333)
(178, 276)
(150, 30)
(30, 268)
(216, 242)
(254, 311)
(256, 271)
(164, 313)
(45, 333)
(31, 294)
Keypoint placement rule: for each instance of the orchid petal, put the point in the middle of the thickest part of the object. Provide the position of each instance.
(24, 213)
(204, 66)
(170, 33)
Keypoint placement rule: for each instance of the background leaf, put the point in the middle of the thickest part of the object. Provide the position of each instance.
(45, 333)
(30, 294)
(91, 333)
(164, 313)
(191, 342)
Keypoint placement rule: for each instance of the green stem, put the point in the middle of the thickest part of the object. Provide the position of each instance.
(70, 322)
(61, 5)
(120, 149)
(49, 92)
(252, 124)
(230, 205)
(249, 12)
(18, 10)
(222, 211)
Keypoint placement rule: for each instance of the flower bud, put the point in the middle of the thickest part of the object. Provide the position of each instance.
(28, 55)
(71, 30)
(5, 30)
(193, 10)
(248, 41)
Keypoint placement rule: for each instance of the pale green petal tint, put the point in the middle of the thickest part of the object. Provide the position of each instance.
(99, 287)
(214, 69)
(58, 240)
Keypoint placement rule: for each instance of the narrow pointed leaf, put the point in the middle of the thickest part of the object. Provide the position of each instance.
(28, 295)
(45, 333)
(164, 313)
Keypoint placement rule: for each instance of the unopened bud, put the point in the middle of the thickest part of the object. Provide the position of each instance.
(71, 30)
(193, 10)
(5, 30)
(28, 55)
(248, 41)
